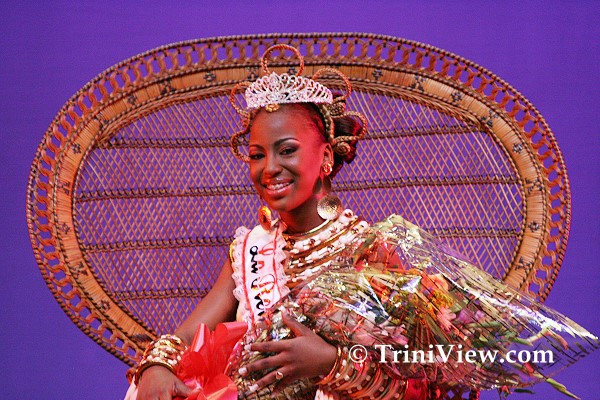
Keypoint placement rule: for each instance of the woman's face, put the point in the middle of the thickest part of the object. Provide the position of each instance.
(286, 152)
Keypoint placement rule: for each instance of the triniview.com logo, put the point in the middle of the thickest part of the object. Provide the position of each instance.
(450, 353)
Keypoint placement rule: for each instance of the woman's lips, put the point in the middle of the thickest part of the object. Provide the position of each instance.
(277, 189)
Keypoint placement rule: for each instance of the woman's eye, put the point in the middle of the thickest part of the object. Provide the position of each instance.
(288, 150)
(255, 156)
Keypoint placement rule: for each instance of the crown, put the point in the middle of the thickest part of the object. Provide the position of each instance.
(274, 89)
(284, 88)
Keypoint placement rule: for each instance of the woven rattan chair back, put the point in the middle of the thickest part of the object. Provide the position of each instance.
(134, 194)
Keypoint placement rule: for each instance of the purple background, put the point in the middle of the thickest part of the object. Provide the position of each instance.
(549, 51)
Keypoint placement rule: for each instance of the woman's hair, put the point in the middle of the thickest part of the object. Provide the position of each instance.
(342, 126)
(345, 126)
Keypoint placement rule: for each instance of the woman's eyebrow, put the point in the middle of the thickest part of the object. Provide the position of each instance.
(280, 141)
(277, 143)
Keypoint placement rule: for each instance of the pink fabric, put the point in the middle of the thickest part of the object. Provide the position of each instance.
(202, 367)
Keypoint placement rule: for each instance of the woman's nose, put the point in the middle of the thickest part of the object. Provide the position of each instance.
(272, 165)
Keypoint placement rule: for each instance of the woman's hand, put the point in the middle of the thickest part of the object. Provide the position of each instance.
(158, 383)
(305, 356)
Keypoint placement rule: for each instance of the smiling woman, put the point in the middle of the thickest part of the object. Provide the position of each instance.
(318, 282)
(137, 184)
(292, 142)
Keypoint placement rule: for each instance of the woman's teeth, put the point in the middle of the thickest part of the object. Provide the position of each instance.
(277, 186)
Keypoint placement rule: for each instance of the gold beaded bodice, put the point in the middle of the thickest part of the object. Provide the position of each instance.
(268, 263)
(313, 250)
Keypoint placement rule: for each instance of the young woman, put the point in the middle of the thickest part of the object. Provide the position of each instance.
(291, 157)
(299, 136)
(287, 153)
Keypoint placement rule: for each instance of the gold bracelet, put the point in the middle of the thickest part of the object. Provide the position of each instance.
(359, 372)
(394, 389)
(338, 360)
(165, 351)
(370, 384)
(344, 369)
(366, 380)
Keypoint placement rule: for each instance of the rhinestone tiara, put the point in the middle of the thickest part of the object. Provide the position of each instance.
(284, 88)
(274, 89)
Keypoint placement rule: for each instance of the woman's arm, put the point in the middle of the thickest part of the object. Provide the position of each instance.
(368, 379)
(219, 305)
(306, 355)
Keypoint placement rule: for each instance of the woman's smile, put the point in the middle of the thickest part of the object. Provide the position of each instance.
(277, 188)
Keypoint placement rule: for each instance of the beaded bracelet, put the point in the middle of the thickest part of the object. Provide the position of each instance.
(165, 351)
(370, 385)
(338, 360)
(362, 380)
(353, 377)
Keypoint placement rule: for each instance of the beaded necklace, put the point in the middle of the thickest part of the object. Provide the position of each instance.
(310, 251)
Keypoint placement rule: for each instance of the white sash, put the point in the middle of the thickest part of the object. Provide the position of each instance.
(260, 273)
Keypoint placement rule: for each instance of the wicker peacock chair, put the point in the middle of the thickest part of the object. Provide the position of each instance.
(134, 194)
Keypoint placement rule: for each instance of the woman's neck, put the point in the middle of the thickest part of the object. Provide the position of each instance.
(302, 220)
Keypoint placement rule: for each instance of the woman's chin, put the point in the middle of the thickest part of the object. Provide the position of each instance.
(277, 207)
(280, 207)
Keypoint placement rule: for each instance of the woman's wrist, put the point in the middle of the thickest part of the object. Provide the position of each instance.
(365, 379)
(165, 351)
(336, 364)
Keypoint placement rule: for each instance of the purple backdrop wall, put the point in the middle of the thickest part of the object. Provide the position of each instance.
(548, 51)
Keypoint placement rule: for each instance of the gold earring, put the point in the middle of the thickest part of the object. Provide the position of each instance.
(327, 168)
(265, 217)
(329, 207)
